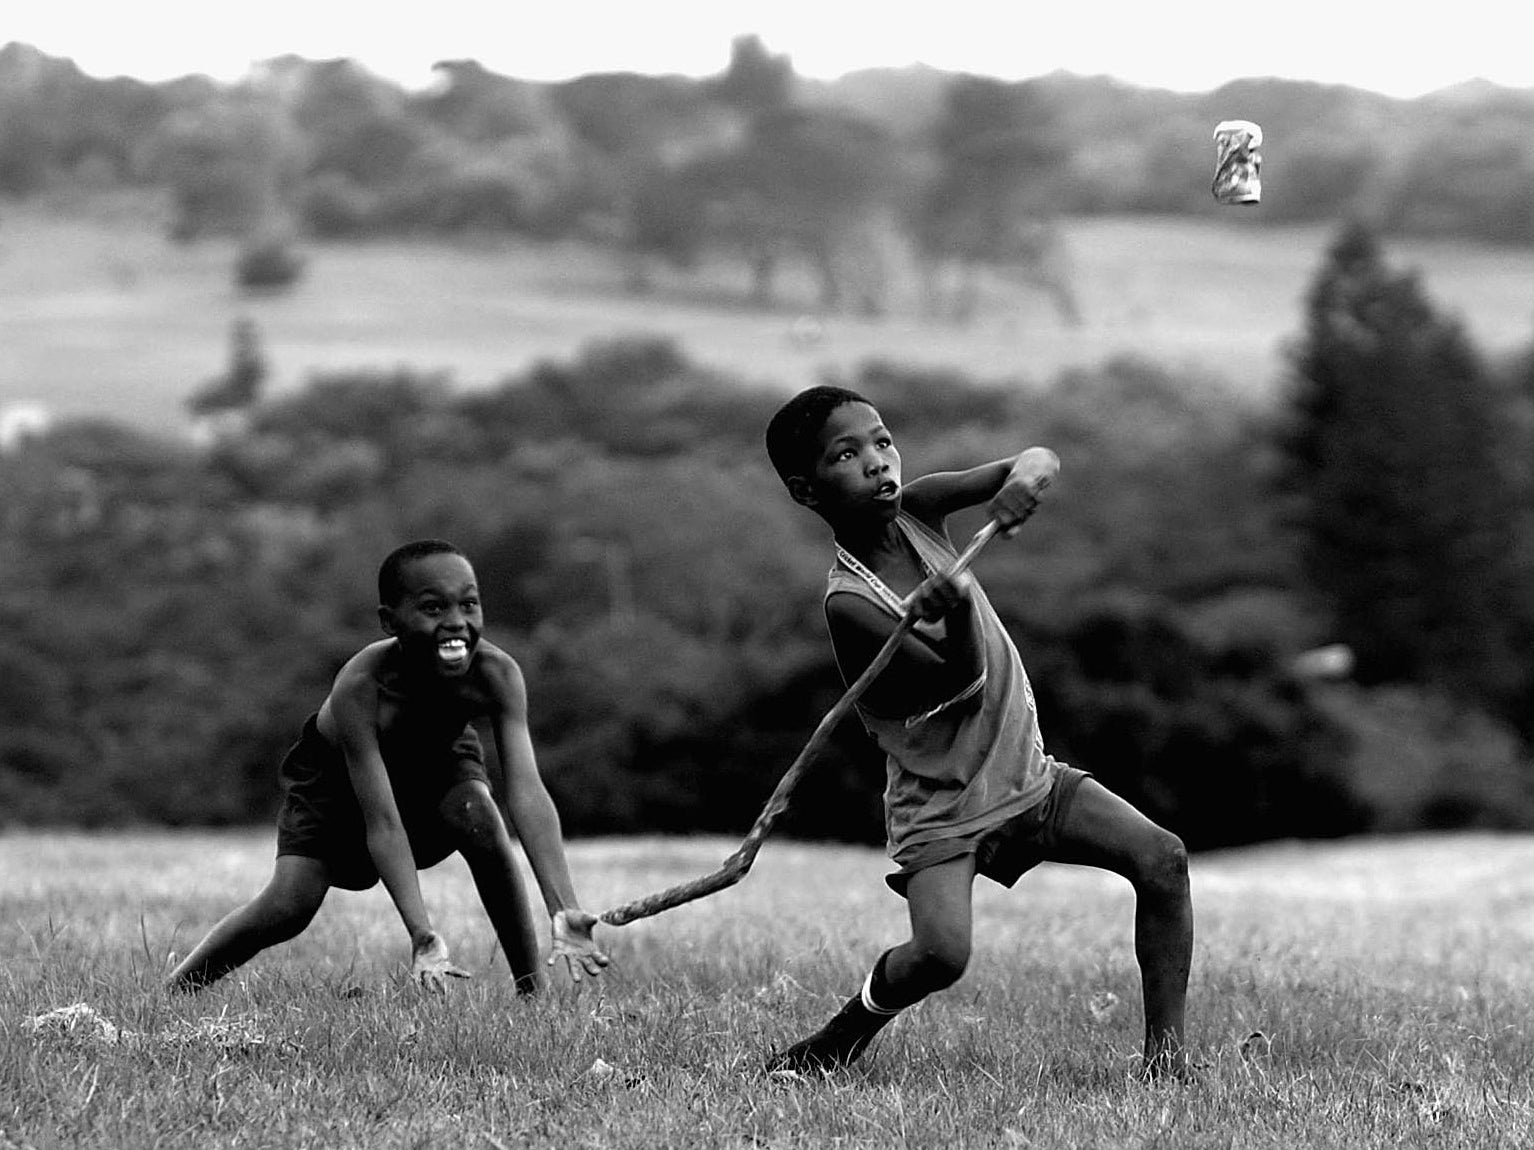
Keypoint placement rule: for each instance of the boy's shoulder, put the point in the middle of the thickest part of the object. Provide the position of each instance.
(925, 523)
(495, 662)
(365, 668)
(494, 688)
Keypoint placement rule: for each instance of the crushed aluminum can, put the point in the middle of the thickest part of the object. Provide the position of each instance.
(1237, 162)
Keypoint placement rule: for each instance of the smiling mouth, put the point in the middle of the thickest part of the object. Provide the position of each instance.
(453, 652)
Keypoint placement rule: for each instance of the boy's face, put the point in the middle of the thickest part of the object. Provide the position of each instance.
(438, 617)
(856, 470)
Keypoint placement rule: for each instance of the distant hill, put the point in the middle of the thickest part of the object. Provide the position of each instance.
(907, 100)
(349, 152)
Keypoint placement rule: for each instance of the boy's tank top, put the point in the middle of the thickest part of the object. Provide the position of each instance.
(974, 762)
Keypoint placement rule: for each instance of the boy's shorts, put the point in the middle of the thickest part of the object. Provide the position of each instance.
(1004, 853)
(320, 817)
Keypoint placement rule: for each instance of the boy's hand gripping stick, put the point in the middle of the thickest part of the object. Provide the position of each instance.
(735, 867)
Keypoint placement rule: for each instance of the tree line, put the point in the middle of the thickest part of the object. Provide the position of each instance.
(947, 171)
(170, 612)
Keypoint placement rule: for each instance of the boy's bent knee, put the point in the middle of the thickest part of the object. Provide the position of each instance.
(294, 895)
(473, 819)
(288, 913)
(1162, 866)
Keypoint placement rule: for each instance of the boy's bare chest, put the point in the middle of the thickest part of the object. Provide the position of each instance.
(892, 574)
(420, 718)
(901, 573)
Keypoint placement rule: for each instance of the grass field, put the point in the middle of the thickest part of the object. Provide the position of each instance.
(99, 313)
(1389, 982)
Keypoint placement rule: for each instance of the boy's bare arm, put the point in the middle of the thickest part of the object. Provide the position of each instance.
(354, 704)
(1011, 486)
(536, 819)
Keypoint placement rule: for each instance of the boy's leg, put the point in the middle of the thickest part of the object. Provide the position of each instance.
(477, 830)
(933, 959)
(938, 901)
(284, 907)
(1103, 830)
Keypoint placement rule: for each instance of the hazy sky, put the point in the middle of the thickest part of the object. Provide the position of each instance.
(1187, 45)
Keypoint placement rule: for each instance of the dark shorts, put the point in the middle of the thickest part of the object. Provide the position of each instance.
(321, 819)
(1005, 853)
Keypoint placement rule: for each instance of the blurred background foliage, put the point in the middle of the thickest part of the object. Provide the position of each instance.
(172, 608)
(171, 611)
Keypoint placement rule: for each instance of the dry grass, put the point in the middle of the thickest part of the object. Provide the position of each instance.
(1388, 981)
(100, 314)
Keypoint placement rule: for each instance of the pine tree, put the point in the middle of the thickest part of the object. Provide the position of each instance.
(1398, 493)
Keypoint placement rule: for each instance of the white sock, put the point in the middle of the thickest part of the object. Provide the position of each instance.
(868, 999)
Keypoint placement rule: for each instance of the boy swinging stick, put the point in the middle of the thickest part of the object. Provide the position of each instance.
(969, 788)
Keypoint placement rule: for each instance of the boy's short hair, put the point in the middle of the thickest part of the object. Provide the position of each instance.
(391, 573)
(793, 433)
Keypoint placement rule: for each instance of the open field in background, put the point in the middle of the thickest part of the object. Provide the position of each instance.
(1389, 980)
(99, 313)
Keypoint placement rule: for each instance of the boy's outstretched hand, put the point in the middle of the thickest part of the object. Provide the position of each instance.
(574, 943)
(430, 965)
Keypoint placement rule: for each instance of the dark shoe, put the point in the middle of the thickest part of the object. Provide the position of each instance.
(836, 1044)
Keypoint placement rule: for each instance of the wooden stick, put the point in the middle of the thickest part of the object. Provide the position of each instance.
(734, 868)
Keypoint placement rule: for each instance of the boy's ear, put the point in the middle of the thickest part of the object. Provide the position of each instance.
(802, 491)
(386, 619)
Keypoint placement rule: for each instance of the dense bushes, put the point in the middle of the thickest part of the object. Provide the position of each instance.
(169, 615)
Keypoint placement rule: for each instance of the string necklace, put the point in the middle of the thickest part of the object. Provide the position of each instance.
(898, 605)
(894, 602)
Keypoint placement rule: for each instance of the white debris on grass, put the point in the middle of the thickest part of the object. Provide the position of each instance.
(603, 1073)
(1103, 1005)
(78, 1020)
(82, 1021)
